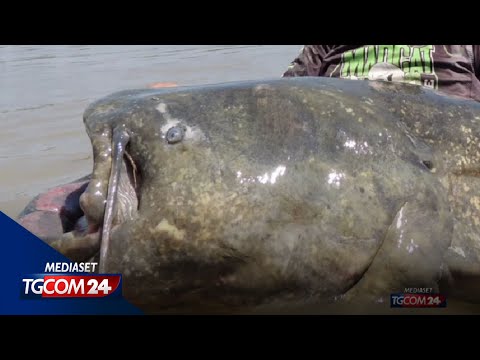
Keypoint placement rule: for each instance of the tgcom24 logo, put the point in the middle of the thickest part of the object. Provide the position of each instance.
(70, 280)
(418, 298)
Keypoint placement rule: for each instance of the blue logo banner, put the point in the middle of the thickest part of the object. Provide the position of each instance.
(23, 253)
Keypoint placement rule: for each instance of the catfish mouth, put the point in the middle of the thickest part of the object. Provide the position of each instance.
(122, 197)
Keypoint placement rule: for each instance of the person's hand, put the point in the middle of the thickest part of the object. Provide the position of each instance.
(159, 85)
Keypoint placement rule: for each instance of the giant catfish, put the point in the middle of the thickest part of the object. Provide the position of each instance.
(250, 195)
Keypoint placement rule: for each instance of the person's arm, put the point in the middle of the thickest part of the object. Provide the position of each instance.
(308, 62)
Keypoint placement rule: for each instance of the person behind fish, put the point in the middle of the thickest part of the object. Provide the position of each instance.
(453, 70)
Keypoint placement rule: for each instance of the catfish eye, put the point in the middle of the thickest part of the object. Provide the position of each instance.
(175, 134)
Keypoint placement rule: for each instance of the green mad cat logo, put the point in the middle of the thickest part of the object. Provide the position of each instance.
(411, 64)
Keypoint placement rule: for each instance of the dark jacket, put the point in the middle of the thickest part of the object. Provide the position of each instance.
(450, 69)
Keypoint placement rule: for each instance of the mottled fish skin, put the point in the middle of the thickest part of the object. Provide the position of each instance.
(289, 191)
